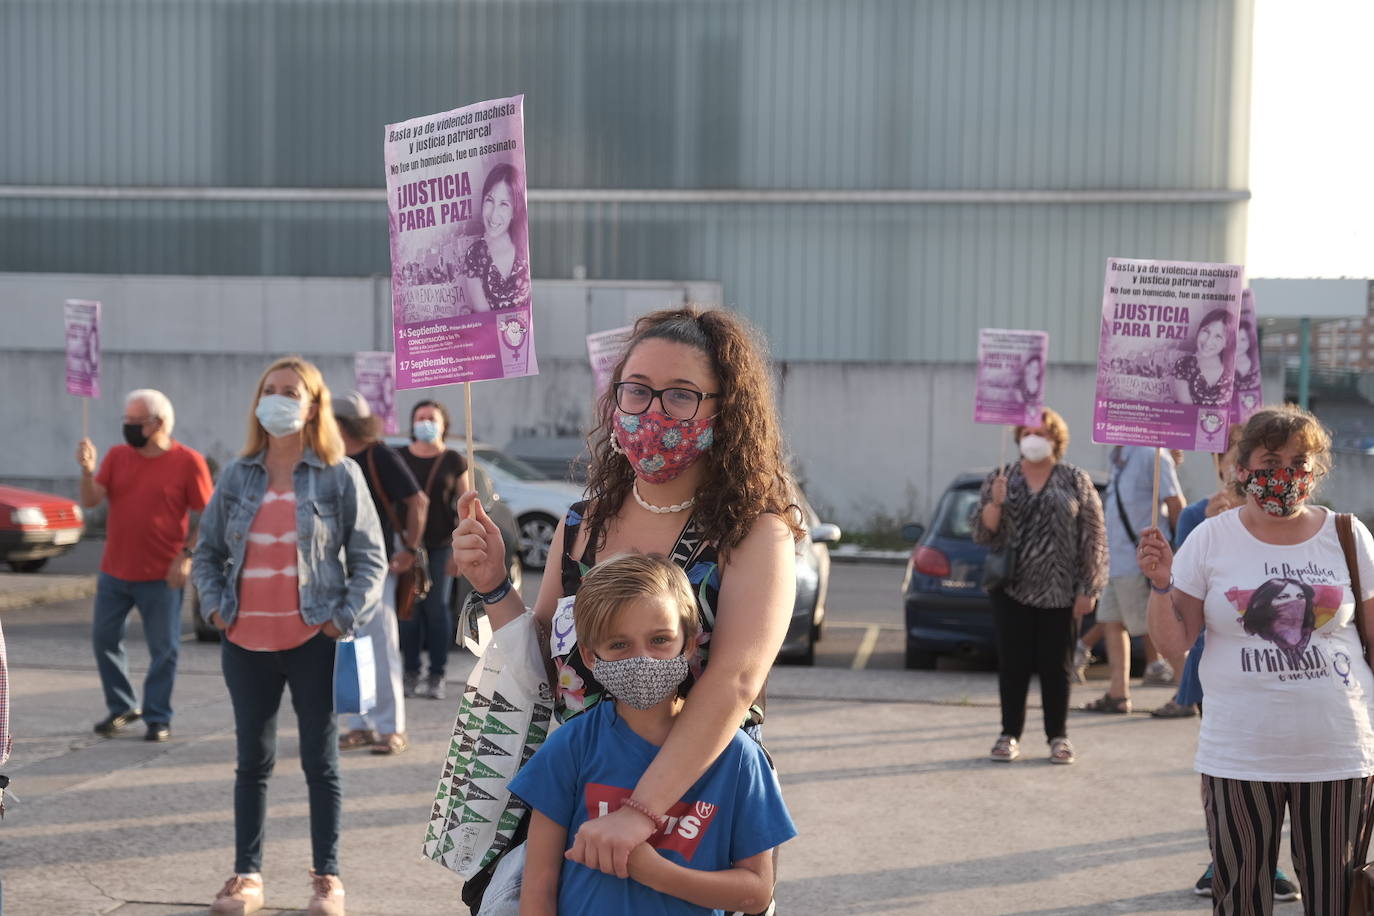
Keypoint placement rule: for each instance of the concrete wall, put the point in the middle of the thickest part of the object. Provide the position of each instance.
(870, 439)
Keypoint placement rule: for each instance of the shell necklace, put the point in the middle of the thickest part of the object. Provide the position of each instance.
(660, 510)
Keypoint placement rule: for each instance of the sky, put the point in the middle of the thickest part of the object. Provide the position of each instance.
(1312, 140)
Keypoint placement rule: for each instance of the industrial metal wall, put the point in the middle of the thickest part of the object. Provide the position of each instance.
(1129, 120)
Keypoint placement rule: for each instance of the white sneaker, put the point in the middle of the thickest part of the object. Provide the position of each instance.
(1159, 673)
(328, 896)
(241, 895)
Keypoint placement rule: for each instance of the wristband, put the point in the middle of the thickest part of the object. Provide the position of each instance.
(634, 804)
(495, 594)
(1162, 591)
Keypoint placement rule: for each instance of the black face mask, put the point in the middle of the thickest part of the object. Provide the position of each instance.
(133, 434)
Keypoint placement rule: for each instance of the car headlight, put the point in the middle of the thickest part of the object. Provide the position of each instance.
(28, 515)
(80, 516)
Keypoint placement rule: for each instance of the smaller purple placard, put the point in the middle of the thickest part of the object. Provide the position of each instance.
(374, 377)
(604, 349)
(1249, 379)
(1166, 360)
(81, 321)
(1010, 386)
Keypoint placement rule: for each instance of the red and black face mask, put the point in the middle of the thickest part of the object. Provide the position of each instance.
(1280, 491)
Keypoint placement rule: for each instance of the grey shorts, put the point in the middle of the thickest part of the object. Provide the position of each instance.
(1124, 601)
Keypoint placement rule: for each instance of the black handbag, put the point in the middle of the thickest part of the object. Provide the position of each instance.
(999, 567)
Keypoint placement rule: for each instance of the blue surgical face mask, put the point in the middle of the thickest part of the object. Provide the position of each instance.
(425, 431)
(280, 415)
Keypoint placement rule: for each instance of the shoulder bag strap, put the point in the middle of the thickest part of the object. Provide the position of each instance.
(1121, 509)
(1345, 531)
(396, 526)
(434, 469)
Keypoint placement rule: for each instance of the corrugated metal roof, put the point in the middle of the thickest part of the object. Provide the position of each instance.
(722, 94)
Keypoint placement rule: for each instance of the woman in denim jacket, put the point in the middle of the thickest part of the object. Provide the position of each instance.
(290, 559)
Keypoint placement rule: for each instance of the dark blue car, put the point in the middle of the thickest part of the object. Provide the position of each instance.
(947, 611)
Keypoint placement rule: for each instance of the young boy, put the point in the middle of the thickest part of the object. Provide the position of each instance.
(636, 624)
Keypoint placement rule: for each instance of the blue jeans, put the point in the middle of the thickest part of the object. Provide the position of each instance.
(1189, 683)
(430, 626)
(160, 608)
(255, 681)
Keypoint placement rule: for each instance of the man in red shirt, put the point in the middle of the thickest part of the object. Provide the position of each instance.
(152, 483)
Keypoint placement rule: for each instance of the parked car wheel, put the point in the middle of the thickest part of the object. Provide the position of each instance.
(536, 537)
(28, 566)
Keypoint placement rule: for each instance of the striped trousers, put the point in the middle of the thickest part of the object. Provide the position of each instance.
(1330, 830)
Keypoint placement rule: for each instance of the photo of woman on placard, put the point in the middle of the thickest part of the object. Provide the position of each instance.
(1030, 387)
(496, 267)
(1200, 377)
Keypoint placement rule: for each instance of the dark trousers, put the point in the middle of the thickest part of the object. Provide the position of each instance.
(430, 627)
(1330, 834)
(1033, 640)
(255, 681)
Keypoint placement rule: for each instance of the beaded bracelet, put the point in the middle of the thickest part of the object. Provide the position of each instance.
(1162, 591)
(634, 804)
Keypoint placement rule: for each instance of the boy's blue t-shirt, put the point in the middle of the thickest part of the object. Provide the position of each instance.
(594, 761)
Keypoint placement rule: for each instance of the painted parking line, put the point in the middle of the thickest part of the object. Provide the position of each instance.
(865, 648)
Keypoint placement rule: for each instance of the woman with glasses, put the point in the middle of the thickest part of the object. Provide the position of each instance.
(687, 462)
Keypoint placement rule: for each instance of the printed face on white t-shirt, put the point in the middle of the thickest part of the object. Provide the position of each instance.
(1292, 611)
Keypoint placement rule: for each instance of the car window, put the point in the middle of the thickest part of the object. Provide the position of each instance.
(512, 466)
(954, 519)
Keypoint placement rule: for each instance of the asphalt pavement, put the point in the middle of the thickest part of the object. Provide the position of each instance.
(884, 770)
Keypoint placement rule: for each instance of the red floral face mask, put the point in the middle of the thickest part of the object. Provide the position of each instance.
(660, 448)
(1279, 491)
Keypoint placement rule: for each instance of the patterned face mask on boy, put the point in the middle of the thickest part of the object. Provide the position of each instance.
(642, 681)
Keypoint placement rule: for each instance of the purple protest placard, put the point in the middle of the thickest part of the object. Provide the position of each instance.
(1249, 396)
(460, 264)
(374, 377)
(1166, 361)
(604, 349)
(1010, 387)
(81, 323)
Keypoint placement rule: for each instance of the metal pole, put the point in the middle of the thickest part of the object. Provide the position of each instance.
(1305, 363)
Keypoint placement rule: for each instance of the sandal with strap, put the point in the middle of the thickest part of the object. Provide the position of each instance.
(1061, 751)
(391, 744)
(357, 738)
(1005, 750)
(1110, 704)
(1175, 710)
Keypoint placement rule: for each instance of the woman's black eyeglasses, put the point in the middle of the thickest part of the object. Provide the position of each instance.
(678, 403)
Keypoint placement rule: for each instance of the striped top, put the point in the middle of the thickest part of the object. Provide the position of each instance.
(269, 618)
(1058, 533)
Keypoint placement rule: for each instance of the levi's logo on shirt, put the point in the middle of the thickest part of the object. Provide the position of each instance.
(687, 821)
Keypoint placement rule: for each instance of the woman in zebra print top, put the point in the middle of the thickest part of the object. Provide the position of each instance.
(1049, 514)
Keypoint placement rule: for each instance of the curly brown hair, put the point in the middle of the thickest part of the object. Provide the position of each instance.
(746, 472)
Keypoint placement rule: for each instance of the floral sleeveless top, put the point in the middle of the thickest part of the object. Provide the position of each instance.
(577, 690)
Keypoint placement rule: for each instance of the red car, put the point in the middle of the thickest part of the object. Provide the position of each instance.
(36, 526)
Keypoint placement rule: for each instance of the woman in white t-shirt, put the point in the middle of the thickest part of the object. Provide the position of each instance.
(1290, 694)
